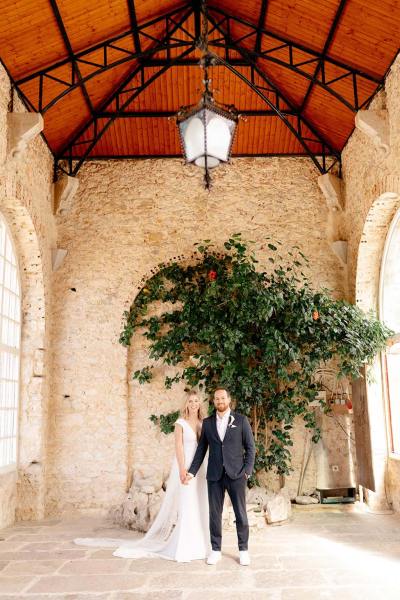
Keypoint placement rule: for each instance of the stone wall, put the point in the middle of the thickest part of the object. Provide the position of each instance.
(25, 202)
(372, 196)
(368, 172)
(126, 218)
(84, 424)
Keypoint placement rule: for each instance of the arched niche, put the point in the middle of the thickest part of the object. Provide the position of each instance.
(149, 451)
(25, 487)
(389, 312)
(368, 273)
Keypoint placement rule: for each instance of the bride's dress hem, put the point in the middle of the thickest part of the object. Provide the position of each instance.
(180, 530)
(121, 554)
(127, 551)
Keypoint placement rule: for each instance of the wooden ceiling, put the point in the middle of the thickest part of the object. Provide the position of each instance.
(108, 75)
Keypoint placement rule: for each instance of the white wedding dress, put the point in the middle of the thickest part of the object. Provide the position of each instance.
(180, 531)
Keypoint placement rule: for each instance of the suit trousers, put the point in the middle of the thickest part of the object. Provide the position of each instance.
(236, 489)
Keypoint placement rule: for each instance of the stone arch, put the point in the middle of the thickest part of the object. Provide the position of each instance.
(26, 488)
(152, 457)
(370, 249)
(368, 270)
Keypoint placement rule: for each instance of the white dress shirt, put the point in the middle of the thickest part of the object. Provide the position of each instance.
(222, 424)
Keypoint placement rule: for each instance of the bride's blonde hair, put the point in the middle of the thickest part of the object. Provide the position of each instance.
(185, 408)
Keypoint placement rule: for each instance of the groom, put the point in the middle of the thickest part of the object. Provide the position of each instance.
(230, 464)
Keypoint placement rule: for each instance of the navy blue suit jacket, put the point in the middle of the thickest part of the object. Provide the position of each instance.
(236, 452)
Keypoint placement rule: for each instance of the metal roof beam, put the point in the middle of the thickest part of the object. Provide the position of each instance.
(293, 62)
(67, 43)
(187, 62)
(111, 55)
(261, 25)
(127, 114)
(197, 19)
(287, 42)
(163, 156)
(111, 59)
(325, 50)
(133, 85)
(300, 128)
(134, 25)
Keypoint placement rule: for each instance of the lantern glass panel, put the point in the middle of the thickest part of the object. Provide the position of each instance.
(211, 162)
(192, 132)
(206, 132)
(219, 136)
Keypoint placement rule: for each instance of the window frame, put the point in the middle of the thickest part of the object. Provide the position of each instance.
(12, 467)
(395, 339)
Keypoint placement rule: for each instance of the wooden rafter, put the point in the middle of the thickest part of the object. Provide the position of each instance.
(268, 56)
(114, 54)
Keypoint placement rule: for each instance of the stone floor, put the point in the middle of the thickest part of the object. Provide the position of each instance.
(320, 554)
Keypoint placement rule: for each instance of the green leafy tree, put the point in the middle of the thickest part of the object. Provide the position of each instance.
(261, 332)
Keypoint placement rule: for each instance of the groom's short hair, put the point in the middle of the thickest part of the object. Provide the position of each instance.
(221, 388)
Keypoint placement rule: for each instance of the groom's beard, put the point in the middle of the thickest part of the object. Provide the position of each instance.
(222, 407)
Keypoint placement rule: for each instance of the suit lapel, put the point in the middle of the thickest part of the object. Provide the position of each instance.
(230, 422)
(214, 425)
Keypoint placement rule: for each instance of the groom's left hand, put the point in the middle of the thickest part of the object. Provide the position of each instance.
(189, 476)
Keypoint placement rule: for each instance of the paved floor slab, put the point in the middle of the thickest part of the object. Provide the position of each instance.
(324, 555)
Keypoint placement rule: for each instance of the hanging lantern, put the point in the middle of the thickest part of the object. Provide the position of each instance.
(207, 133)
(207, 129)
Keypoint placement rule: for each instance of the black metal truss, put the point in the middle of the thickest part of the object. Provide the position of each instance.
(301, 127)
(137, 114)
(292, 59)
(157, 156)
(134, 25)
(187, 62)
(134, 84)
(76, 72)
(148, 66)
(114, 52)
(328, 42)
(197, 18)
(93, 131)
(261, 23)
(119, 106)
(305, 133)
(298, 126)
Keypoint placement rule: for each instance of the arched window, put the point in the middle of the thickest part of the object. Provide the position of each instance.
(10, 325)
(390, 314)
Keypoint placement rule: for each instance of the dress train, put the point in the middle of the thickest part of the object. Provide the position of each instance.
(180, 530)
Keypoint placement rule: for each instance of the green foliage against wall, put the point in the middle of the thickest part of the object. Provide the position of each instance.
(260, 331)
(166, 422)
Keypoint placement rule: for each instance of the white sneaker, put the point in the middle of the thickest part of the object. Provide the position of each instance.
(214, 557)
(244, 558)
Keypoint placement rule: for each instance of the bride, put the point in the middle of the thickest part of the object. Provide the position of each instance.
(180, 530)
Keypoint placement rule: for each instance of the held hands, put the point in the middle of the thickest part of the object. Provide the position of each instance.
(182, 475)
(188, 477)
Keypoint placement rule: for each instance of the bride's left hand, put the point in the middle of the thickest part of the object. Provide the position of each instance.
(182, 475)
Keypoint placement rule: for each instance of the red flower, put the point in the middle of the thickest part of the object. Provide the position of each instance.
(212, 275)
(349, 404)
(315, 315)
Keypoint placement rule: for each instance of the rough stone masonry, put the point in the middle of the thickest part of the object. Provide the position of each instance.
(84, 426)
